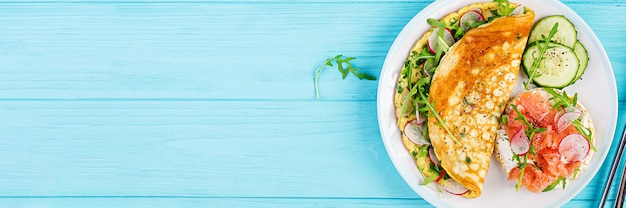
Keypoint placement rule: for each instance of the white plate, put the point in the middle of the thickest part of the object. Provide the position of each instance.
(597, 91)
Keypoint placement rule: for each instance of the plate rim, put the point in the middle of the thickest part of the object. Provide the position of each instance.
(387, 77)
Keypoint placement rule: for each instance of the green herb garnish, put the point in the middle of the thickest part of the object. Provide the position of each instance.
(530, 131)
(576, 172)
(413, 61)
(430, 179)
(442, 47)
(563, 101)
(432, 112)
(542, 47)
(554, 184)
(407, 104)
(349, 68)
(505, 7)
(522, 166)
(422, 151)
(585, 132)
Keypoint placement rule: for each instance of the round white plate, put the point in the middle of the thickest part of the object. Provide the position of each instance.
(597, 91)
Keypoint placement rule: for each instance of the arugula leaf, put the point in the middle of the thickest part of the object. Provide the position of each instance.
(441, 43)
(432, 112)
(576, 172)
(530, 131)
(413, 61)
(561, 100)
(429, 179)
(344, 70)
(554, 184)
(564, 101)
(505, 7)
(542, 47)
(442, 47)
(585, 132)
(522, 167)
(407, 105)
(435, 23)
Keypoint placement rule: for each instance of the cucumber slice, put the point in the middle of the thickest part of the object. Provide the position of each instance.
(583, 57)
(557, 70)
(565, 35)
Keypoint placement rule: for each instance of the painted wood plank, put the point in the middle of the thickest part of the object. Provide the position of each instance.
(226, 148)
(262, 1)
(228, 202)
(214, 51)
(209, 141)
(212, 202)
(194, 148)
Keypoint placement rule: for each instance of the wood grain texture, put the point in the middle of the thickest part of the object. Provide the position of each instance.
(151, 202)
(160, 103)
(218, 149)
(214, 148)
(212, 51)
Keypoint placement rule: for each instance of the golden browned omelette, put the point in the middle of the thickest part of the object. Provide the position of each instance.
(469, 90)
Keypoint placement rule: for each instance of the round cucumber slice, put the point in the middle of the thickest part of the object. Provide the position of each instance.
(557, 70)
(565, 35)
(583, 57)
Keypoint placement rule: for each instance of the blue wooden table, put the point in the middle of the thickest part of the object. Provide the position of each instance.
(201, 103)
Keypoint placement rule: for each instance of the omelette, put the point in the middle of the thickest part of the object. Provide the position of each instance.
(448, 109)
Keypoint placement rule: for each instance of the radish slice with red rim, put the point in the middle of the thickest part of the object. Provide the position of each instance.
(475, 9)
(413, 131)
(453, 187)
(558, 114)
(573, 109)
(428, 65)
(420, 118)
(566, 120)
(574, 147)
(469, 18)
(443, 172)
(433, 156)
(519, 142)
(448, 38)
(518, 10)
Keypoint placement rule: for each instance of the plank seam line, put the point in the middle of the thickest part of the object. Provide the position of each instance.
(214, 197)
(255, 1)
(175, 100)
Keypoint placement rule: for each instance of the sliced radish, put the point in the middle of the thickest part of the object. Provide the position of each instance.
(420, 118)
(454, 187)
(519, 143)
(448, 38)
(574, 147)
(477, 10)
(558, 114)
(566, 120)
(469, 18)
(413, 131)
(518, 10)
(433, 156)
(573, 109)
(428, 65)
(443, 172)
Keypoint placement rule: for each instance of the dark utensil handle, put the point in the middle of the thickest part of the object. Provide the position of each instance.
(619, 199)
(618, 157)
